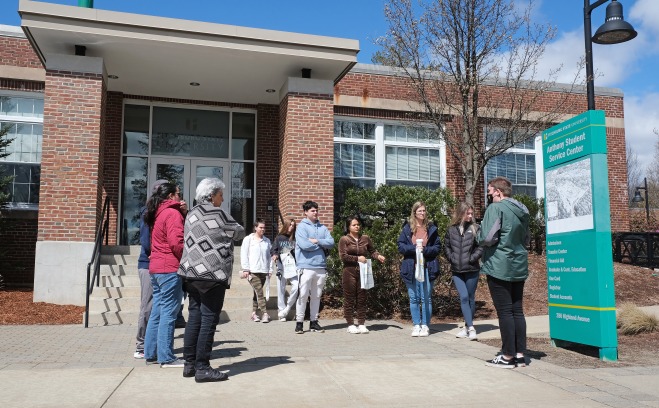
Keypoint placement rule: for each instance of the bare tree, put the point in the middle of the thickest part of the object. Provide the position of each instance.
(652, 174)
(633, 172)
(472, 66)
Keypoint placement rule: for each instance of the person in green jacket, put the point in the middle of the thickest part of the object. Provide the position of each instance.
(504, 234)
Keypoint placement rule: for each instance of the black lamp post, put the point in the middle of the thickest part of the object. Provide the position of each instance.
(637, 198)
(615, 30)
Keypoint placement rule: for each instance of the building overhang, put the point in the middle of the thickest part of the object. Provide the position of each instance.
(161, 57)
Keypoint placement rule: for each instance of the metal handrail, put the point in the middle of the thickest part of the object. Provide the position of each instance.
(102, 231)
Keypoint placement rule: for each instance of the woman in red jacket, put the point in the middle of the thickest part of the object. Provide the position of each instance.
(164, 216)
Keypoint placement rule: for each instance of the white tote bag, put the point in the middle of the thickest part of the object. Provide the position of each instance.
(288, 266)
(366, 274)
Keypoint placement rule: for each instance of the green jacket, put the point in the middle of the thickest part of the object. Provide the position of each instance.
(505, 233)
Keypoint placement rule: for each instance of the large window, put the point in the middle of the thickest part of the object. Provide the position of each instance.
(188, 143)
(21, 116)
(518, 164)
(367, 154)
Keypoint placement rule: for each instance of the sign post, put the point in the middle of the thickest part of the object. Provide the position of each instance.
(579, 256)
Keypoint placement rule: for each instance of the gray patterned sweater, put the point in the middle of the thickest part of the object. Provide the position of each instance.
(208, 238)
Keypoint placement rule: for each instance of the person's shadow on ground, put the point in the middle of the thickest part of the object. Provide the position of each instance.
(254, 364)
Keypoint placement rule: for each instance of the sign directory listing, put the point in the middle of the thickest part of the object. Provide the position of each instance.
(577, 212)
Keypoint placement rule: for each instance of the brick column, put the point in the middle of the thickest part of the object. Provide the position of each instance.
(306, 135)
(71, 167)
(267, 166)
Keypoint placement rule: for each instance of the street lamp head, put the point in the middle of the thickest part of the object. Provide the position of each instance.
(637, 197)
(615, 29)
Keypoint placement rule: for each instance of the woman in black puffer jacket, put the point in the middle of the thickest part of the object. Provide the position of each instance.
(463, 252)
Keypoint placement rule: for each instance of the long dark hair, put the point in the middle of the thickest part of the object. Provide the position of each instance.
(157, 198)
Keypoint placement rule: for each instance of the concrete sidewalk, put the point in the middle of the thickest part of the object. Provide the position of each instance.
(269, 365)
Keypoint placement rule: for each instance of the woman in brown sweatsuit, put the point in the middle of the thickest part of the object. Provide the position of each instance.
(353, 248)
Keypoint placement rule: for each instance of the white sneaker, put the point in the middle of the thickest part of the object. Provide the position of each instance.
(282, 314)
(425, 331)
(472, 334)
(462, 334)
(416, 331)
(352, 329)
(362, 329)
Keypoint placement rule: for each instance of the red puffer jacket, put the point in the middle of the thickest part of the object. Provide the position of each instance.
(167, 238)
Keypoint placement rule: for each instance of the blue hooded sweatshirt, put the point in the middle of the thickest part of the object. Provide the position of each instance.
(308, 255)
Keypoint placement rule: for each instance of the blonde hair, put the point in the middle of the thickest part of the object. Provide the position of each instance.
(460, 211)
(413, 221)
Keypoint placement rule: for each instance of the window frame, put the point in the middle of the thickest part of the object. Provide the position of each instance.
(31, 120)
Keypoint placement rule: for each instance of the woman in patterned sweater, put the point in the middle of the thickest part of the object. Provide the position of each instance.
(206, 266)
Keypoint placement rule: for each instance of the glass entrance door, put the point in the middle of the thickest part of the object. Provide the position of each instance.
(188, 173)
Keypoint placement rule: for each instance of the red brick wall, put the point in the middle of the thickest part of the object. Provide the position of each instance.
(397, 88)
(18, 52)
(70, 192)
(307, 159)
(112, 158)
(18, 240)
(267, 164)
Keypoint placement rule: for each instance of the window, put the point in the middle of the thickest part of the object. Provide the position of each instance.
(22, 117)
(518, 165)
(367, 154)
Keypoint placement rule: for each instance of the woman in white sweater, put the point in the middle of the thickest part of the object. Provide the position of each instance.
(255, 263)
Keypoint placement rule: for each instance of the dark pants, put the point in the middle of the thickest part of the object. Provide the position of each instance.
(205, 300)
(507, 299)
(353, 294)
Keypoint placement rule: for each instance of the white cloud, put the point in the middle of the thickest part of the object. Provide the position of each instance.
(647, 13)
(641, 118)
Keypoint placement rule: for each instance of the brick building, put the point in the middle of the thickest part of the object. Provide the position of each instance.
(102, 103)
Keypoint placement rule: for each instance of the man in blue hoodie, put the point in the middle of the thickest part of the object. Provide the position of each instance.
(311, 240)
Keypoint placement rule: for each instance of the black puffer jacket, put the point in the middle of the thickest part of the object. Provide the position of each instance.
(461, 249)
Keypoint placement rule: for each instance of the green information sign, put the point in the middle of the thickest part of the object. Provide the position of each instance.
(579, 259)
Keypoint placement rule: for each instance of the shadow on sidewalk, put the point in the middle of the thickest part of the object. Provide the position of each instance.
(254, 364)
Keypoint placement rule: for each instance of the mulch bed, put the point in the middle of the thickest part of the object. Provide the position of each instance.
(16, 307)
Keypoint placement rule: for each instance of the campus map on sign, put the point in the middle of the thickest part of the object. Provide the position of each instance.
(569, 197)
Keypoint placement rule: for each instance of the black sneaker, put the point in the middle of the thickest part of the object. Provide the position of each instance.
(520, 361)
(500, 362)
(189, 370)
(315, 327)
(150, 361)
(210, 375)
(298, 328)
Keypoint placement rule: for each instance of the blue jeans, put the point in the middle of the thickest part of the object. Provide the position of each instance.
(159, 335)
(419, 293)
(466, 284)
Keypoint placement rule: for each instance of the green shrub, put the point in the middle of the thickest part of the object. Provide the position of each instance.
(383, 211)
(536, 209)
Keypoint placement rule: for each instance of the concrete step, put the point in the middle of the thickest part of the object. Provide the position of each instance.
(119, 259)
(99, 304)
(120, 281)
(121, 250)
(118, 270)
(111, 318)
(118, 292)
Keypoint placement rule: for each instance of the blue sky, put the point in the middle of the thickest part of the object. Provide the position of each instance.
(629, 66)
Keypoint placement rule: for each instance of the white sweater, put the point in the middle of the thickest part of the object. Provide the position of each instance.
(255, 255)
